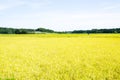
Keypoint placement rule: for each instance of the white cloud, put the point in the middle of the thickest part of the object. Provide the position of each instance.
(112, 7)
(3, 7)
(55, 19)
(35, 4)
(62, 21)
(9, 4)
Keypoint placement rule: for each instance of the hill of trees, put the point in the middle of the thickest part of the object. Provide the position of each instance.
(43, 30)
(23, 31)
(15, 31)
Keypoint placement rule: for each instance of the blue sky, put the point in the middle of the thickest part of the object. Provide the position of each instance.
(60, 15)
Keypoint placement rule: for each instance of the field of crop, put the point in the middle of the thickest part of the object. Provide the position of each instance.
(60, 57)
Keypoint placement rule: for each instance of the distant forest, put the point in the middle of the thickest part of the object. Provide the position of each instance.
(4, 30)
(114, 30)
(24, 31)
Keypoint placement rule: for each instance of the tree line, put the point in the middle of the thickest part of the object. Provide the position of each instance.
(4, 30)
(114, 30)
(23, 31)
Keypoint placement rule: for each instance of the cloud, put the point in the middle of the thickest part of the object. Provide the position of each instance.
(63, 21)
(6, 4)
(3, 7)
(59, 19)
(35, 4)
(56, 18)
(111, 7)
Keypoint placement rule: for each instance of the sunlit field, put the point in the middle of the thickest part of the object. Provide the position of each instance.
(60, 57)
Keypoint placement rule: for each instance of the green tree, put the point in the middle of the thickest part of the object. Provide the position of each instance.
(44, 30)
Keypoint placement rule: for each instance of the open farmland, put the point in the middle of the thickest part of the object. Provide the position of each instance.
(60, 57)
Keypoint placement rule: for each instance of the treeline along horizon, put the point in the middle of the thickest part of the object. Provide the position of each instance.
(4, 30)
(113, 30)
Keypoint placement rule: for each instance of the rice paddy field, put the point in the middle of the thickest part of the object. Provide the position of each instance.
(60, 57)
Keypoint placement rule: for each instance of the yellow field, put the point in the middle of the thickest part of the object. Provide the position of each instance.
(60, 57)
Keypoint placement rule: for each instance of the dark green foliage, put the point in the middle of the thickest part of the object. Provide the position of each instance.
(7, 31)
(15, 31)
(44, 30)
(63, 32)
(20, 31)
(24, 31)
(115, 30)
(79, 31)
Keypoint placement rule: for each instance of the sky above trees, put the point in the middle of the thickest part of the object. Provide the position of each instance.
(60, 15)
